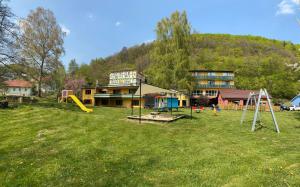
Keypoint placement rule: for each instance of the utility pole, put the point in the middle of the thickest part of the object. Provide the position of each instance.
(171, 103)
(132, 104)
(140, 113)
(191, 105)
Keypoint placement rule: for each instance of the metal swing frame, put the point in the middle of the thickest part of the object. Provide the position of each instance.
(252, 96)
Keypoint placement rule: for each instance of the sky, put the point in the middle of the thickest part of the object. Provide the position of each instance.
(100, 28)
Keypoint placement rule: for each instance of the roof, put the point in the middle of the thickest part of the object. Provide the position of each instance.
(124, 70)
(149, 89)
(237, 94)
(18, 83)
(204, 70)
(118, 86)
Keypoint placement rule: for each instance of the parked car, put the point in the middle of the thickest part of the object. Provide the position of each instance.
(294, 108)
(283, 107)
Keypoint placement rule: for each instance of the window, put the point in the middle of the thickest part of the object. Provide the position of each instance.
(135, 103)
(197, 92)
(131, 91)
(211, 92)
(119, 102)
(87, 101)
(88, 92)
(211, 82)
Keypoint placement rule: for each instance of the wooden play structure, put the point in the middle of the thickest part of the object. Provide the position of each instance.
(256, 98)
(65, 94)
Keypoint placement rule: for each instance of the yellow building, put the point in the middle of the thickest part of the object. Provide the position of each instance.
(87, 95)
(209, 82)
(183, 99)
(123, 91)
(117, 96)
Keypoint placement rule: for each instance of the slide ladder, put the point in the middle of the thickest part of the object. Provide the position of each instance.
(79, 103)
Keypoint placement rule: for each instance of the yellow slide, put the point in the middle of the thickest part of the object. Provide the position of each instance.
(79, 103)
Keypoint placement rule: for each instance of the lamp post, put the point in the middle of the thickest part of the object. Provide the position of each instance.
(171, 103)
(191, 105)
(140, 113)
(131, 104)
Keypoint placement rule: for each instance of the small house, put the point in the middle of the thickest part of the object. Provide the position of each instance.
(18, 88)
(296, 100)
(236, 97)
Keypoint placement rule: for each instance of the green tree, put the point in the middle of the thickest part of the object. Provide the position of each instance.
(41, 43)
(170, 55)
(73, 67)
(8, 33)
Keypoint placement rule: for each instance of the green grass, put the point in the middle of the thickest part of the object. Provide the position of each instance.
(58, 145)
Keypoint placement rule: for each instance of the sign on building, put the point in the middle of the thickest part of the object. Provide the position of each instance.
(125, 78)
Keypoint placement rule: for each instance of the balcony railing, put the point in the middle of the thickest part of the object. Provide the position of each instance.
(206, 77)
(214, 86)
(104, 95)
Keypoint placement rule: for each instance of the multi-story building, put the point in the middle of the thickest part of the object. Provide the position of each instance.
(123, 91)
(209, 82)
(119, 92)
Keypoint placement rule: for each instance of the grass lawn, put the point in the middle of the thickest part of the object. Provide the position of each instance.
(58, 145)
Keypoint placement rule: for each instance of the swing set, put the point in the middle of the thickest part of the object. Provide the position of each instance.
(257, 100)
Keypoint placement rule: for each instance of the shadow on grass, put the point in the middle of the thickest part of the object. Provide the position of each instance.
(261, 127)
(44, 104)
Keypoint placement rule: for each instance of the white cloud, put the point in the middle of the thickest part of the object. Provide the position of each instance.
(296, 2)
(287, 7)
(118, 23)
(65, 29)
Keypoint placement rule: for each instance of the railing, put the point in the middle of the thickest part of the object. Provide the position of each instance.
(104, 95)
(207, 77)
(214, 86)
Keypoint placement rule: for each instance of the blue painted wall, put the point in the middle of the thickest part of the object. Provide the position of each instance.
(166, 103)
(172, 103)
(296, 100)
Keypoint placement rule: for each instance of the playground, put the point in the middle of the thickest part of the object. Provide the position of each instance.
(50, 144)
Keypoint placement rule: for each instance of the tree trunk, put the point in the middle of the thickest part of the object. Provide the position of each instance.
(40, 80)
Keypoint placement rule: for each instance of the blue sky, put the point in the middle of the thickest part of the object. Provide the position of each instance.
(99, 28)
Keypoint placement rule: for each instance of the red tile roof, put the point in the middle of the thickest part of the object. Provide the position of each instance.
(18, 83)
(237, 94)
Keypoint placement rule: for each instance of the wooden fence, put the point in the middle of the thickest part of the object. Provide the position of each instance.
(263, 108)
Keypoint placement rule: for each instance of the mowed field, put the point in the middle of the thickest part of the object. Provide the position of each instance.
(58, 145)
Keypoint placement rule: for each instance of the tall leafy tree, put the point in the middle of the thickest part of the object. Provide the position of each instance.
(41, 43)
(170, 55)
(73, 67)
(8, 32)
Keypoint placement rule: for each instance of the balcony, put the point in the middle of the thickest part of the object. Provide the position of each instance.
(206, 77)
(214, 86)
(105, 95)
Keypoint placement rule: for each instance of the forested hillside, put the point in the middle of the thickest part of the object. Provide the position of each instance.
(257, 61)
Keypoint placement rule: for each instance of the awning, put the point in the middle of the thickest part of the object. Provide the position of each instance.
(149, 89)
